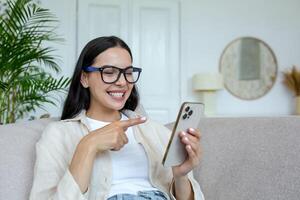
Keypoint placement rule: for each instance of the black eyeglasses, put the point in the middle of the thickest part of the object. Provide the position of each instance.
(111, 74)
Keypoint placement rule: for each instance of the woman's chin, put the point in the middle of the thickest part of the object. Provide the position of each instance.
(119, 108)
(116, 105)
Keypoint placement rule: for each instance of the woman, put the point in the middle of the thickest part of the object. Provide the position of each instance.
(101, 149)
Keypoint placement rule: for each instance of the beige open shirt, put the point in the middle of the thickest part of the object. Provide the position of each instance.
(55, 149)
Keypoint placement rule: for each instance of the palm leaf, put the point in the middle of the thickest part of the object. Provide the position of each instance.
(3, 86)
(24, 58)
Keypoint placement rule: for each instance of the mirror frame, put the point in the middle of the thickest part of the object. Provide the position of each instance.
(242, 85)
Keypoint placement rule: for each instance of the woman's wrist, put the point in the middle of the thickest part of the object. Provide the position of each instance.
(88, 145)
(181, 179)
(182, 188)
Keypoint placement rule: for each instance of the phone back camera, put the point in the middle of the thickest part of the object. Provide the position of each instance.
(185, 116)
(187, 109)
(190, 112)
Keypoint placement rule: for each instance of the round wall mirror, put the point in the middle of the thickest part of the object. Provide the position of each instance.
(249, 68)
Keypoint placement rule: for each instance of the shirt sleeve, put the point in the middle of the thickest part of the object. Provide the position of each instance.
(52, 179)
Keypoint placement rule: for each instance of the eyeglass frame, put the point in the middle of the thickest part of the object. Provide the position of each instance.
(121, 71)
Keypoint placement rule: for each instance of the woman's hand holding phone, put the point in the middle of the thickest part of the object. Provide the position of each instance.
(183, 151)
(191, 140)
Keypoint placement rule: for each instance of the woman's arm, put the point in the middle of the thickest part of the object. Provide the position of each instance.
(54, 178)
(183, 188)
(110, 137)
(82, 164)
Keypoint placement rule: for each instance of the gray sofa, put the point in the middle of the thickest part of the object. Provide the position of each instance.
(243, 158)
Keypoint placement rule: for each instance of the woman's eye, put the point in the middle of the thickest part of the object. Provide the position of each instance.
(129, 72)
(107, 72)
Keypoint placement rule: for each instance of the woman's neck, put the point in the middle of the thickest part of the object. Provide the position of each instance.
(103, 114)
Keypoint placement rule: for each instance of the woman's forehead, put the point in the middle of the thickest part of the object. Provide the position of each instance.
(115, 56)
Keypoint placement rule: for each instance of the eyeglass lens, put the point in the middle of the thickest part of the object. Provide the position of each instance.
(112, 74)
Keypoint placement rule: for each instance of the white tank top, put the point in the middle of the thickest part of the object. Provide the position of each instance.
(129, 164)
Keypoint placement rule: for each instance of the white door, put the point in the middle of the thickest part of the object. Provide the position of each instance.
(155, 44)
(101, 18)
(151, 29)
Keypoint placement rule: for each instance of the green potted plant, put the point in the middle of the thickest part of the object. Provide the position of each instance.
(291, 80)
(26, 82)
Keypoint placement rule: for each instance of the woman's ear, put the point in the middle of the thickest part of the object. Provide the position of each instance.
(84, 79)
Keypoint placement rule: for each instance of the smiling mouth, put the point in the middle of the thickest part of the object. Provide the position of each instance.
(116, 94)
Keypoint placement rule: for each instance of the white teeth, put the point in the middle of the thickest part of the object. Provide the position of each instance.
(116, 94)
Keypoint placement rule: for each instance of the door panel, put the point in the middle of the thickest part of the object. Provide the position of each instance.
(155, 39)
(101, 18)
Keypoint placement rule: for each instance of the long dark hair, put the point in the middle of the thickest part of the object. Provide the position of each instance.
(79, 97)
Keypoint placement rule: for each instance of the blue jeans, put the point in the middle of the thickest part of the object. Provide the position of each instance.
(142, 195)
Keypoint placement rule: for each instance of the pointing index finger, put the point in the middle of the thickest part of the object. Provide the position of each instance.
(132, 122)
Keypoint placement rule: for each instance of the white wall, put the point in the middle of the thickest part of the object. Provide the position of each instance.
(207, 26)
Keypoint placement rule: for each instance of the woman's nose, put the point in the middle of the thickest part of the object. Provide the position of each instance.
(121, 80)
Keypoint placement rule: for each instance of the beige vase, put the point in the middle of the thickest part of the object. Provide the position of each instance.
(297, 112)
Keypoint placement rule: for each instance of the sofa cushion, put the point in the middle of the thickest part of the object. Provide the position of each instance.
(17, 142)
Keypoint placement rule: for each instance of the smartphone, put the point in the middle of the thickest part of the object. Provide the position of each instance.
(189, 116)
